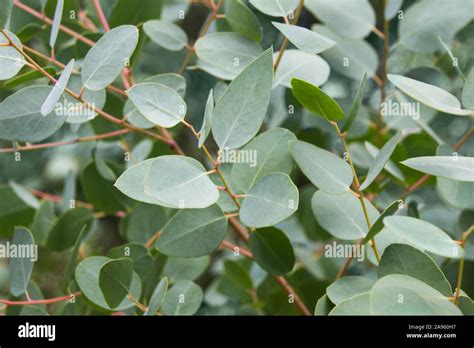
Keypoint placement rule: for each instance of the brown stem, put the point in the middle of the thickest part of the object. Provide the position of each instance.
(66, 142)
(34, 302)
(285, 42)
(49, 21)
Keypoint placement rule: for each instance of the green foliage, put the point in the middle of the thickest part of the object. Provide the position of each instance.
(178, 159)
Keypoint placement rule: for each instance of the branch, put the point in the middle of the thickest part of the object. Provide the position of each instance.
(207, 24)
(285, 42)
(49, 21)
(66, 142)
(34, 302)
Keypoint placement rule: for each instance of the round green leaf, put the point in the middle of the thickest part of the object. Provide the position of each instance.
(115, 278)
(131, 183)
(181, 182)
(174, 81)
(342, 215)
(87, 278)
(184, 298)
(324, 169)
(348, 287)
(242, 20)
(226, 55)
(357, 305)
(423, 235)
(410, 261)
(272, 154)
(301, 65)
(104, 62)
(166, 34)
(159, 104)
(21, 119)
(11, 61)
(425, 20)
(177, 268)
(68, 227)
(398, 294)
(272, 250)
(350, 57)
(271, 200)
(350, 18)
(193, 232)
(143, 222)
(234, 124)
(275, 8)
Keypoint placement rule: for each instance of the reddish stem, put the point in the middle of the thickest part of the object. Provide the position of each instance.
(33, 302)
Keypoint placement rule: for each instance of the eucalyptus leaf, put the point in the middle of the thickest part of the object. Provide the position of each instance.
(242, 20)
(423, 235)
(324, 169)
(272, 250)
(21, 119)
(180, 182)
(275, 8)
(234, 124)
(53, 98)
(158, 297)
(68, 227)
(159, 104)
(172, 80)
(11, 61)
(6, 6)
(348, 287)
(350, 57)
(306, 40)
(350, 18)
(272, 154)
(21, 266)
(425, 20)
(357, 305)
(380, 160)
(131, 183)
(378, 225)
(207, 119)
(226, 54)
(342, 215)
(429, 95)
(58, 13)
(301, 65)
(451, 167)
(272, 199)
(87, 275)
(115, 279)
(316, 101)
(410, 261)
(193, 232)
(398, 294)
(355, 105)
(104, 62)
(166, 34)
(468, 91)
(184, 298)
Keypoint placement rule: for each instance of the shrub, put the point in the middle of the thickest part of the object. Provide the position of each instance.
(236, 157)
